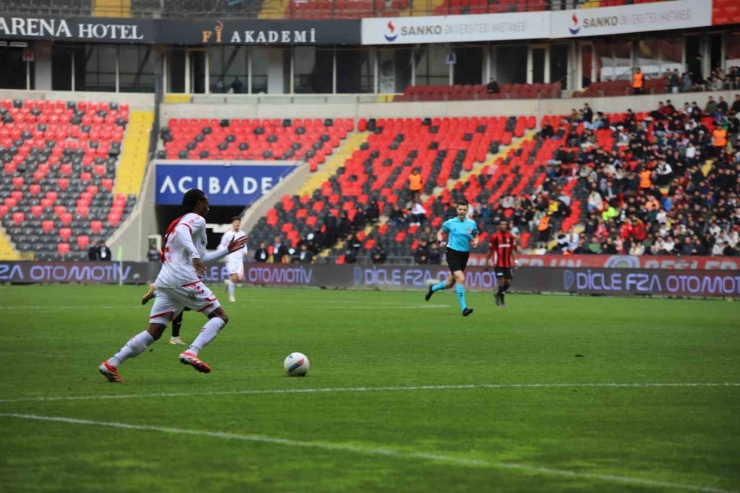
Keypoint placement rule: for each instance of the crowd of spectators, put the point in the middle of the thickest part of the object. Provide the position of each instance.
(666, 185)
(693, 80)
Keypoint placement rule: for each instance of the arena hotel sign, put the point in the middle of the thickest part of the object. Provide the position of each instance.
(92, 29)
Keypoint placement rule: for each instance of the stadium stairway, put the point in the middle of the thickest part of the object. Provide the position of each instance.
(421, 9)
(112, 8)
(490, 161)
(383, 228)
(335, 161)
(274, 10)
(7, 252)
(134, 153)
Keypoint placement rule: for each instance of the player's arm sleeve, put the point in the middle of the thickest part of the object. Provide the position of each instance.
(184, 232)
(212, 257)
(445, 227)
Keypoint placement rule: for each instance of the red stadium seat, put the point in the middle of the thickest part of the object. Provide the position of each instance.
(83, 241)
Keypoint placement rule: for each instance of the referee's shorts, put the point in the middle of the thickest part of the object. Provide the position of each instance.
(457, 260)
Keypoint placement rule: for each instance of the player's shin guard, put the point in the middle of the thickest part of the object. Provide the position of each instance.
(134, 347)
(460, 289)
(231, 288)
(207, 334)
(439, 286)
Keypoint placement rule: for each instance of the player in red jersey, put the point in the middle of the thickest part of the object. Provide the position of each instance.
(503, 244)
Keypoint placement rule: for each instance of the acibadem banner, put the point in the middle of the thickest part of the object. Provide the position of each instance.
(616, 282)
(231, 184)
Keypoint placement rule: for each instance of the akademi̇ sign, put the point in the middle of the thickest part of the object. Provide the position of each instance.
(456, 28)
(260, 32)
(658, 16)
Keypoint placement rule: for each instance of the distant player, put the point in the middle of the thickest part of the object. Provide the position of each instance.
(503, 244)
(178, 286)
(234, 261)
(462, 233)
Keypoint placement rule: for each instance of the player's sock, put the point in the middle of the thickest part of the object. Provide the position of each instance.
(231, 288)
(460, 289)
(207, 334)
(134, 347)
(501, 290)
(176, 324)
(439, 286)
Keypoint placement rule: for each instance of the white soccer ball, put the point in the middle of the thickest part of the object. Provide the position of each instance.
(296, 365)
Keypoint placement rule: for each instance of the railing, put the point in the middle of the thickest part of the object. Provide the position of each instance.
(248, 9)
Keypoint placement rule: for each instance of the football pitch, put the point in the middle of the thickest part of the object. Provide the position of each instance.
(553, 394)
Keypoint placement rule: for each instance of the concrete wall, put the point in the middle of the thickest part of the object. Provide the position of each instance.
(133, 233)
(42, 52)
(137, 101)
(351, 107)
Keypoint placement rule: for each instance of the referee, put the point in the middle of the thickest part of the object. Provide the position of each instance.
(462, 233)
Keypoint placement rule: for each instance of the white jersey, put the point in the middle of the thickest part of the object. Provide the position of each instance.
(237, 256)
(186, 242)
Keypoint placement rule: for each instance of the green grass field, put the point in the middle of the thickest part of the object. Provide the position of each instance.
(553, 394)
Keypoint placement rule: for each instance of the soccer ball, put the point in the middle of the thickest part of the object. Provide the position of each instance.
(296, 365)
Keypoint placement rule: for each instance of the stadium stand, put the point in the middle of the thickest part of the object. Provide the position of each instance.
(357, 9)
(633, 186)
(59, 172)
(310, 139)
(659, 182)
(300, 9)
(441, 148)
(480, 92)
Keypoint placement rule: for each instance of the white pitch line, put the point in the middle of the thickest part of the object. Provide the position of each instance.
(50, 308)
(246, 304)
(461, 461)
(373, 389)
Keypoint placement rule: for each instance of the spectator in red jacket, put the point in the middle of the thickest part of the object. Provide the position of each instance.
(627, 230)
(638, 231)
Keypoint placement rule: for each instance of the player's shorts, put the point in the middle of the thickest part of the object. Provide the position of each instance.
(235, 267)
(504, 272)
(457, 260)
(170, 302)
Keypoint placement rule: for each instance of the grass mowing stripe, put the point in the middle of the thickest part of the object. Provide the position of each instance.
(377, 389)
(375, 451)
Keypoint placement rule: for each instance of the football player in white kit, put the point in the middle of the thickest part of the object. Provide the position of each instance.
(179, 285)
(234, 261)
